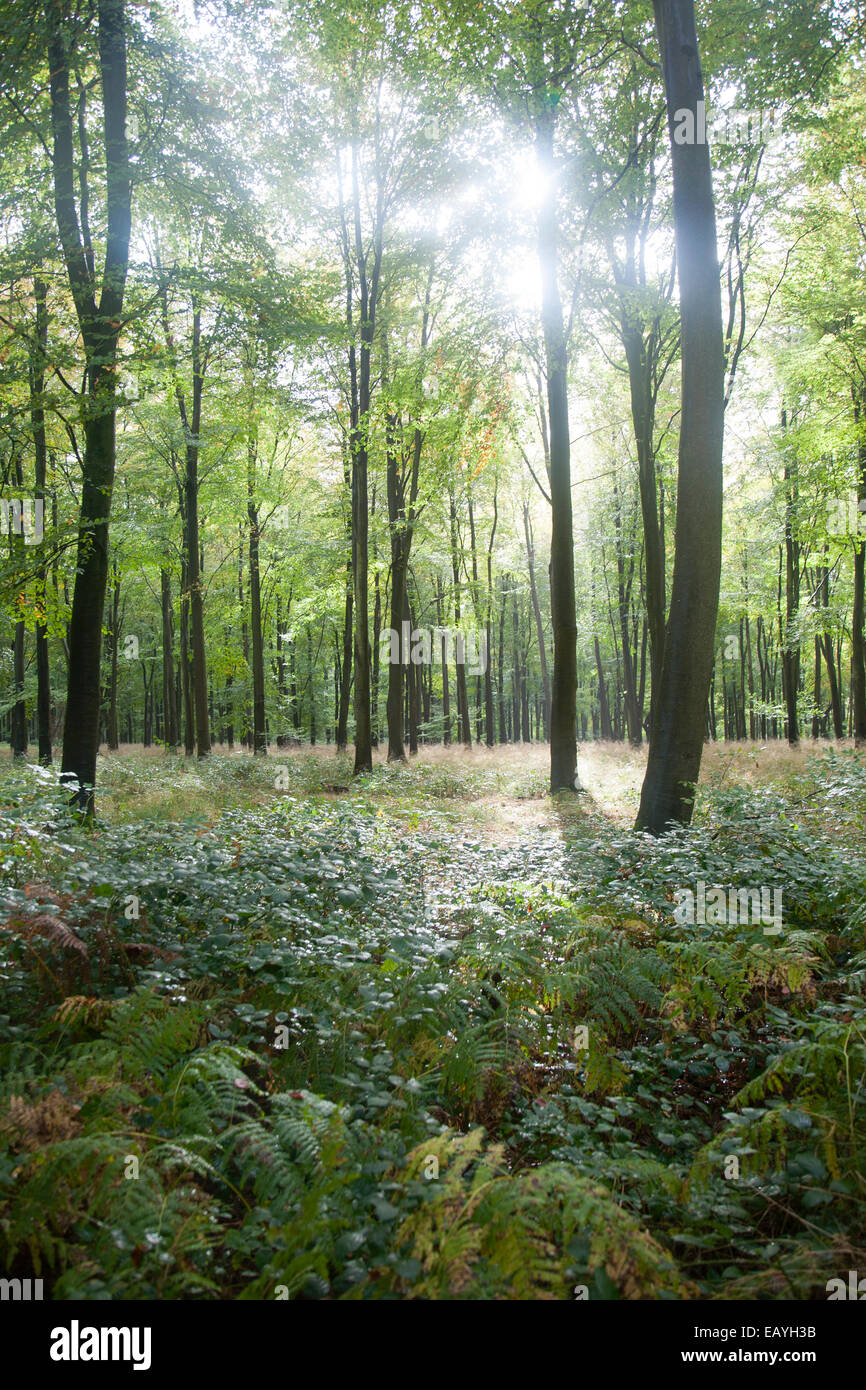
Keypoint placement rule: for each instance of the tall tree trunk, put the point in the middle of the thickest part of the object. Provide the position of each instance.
(858, 636)
(446, 693)
(37, 420)
(100, 326)
(112, 730)
(790, 636)
(375, 656)
(489, 730)
(464, 731)
(362, 395)
(186, 675)
(18, 712)
(193, 546)
(563, 701)
(400, 541)
(516, 683)
(604, 707)
(753, 723)
(171, 733)
(629, 655)
(835, 692)
(342, 737)
(260, 738)
(503, 723)
(413, 682)
(643, 417)
(536, 609)
(281, 668)
(677, 735)
(311, 687)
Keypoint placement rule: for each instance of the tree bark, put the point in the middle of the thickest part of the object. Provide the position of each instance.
(489, 730)
(112, 731)
(260, 738)
(37, 420)
(536, 609)
(563, 697)
(100, 326)
(464, 730)
(359, 448)
(171, 733)
(678, 732)
(790, 636)
(858, 636)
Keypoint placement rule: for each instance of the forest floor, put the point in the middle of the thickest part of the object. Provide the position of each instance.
(270, 1031)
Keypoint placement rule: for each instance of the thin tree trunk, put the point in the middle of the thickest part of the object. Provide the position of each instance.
(193, 546)
(790, 637)
(169, 704)
(858, 636)
(112, 731)
(37, 419)
(446, 694)
(563, 703)
(369, 297)
(536, 609)
(490, 733)
(503, 723)
(260, 739)
(464, 732)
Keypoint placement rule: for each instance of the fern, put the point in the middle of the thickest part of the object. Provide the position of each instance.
(483, 1232)
(152, 1033)
(816, 1083)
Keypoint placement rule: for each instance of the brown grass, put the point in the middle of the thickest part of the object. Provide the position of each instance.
(611, 774)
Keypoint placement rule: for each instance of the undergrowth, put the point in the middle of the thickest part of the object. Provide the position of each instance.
(327, 1043)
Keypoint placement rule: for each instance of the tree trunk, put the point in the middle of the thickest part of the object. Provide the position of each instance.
(37, 420)
(412, 681)
(464, 731)
(536, 609)
(260, 739)
(362, 395)
(677, 735)
(503, 723)
(489, 731)
(858, 637)
(400, 542)
(112, 730)
(563, 701)
(629, 655)
(791, 635)
(100, 326)
(446, 694)
(604, 707)
(18, 711)
(342, 737)
(643, 416)
(193, 547)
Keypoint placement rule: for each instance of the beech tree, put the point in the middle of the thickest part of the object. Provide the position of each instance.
(98, 298)
(679, 722)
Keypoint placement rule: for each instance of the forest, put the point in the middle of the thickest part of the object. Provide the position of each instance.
(433, 673)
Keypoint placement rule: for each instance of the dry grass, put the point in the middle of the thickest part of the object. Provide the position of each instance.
(610, 773)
